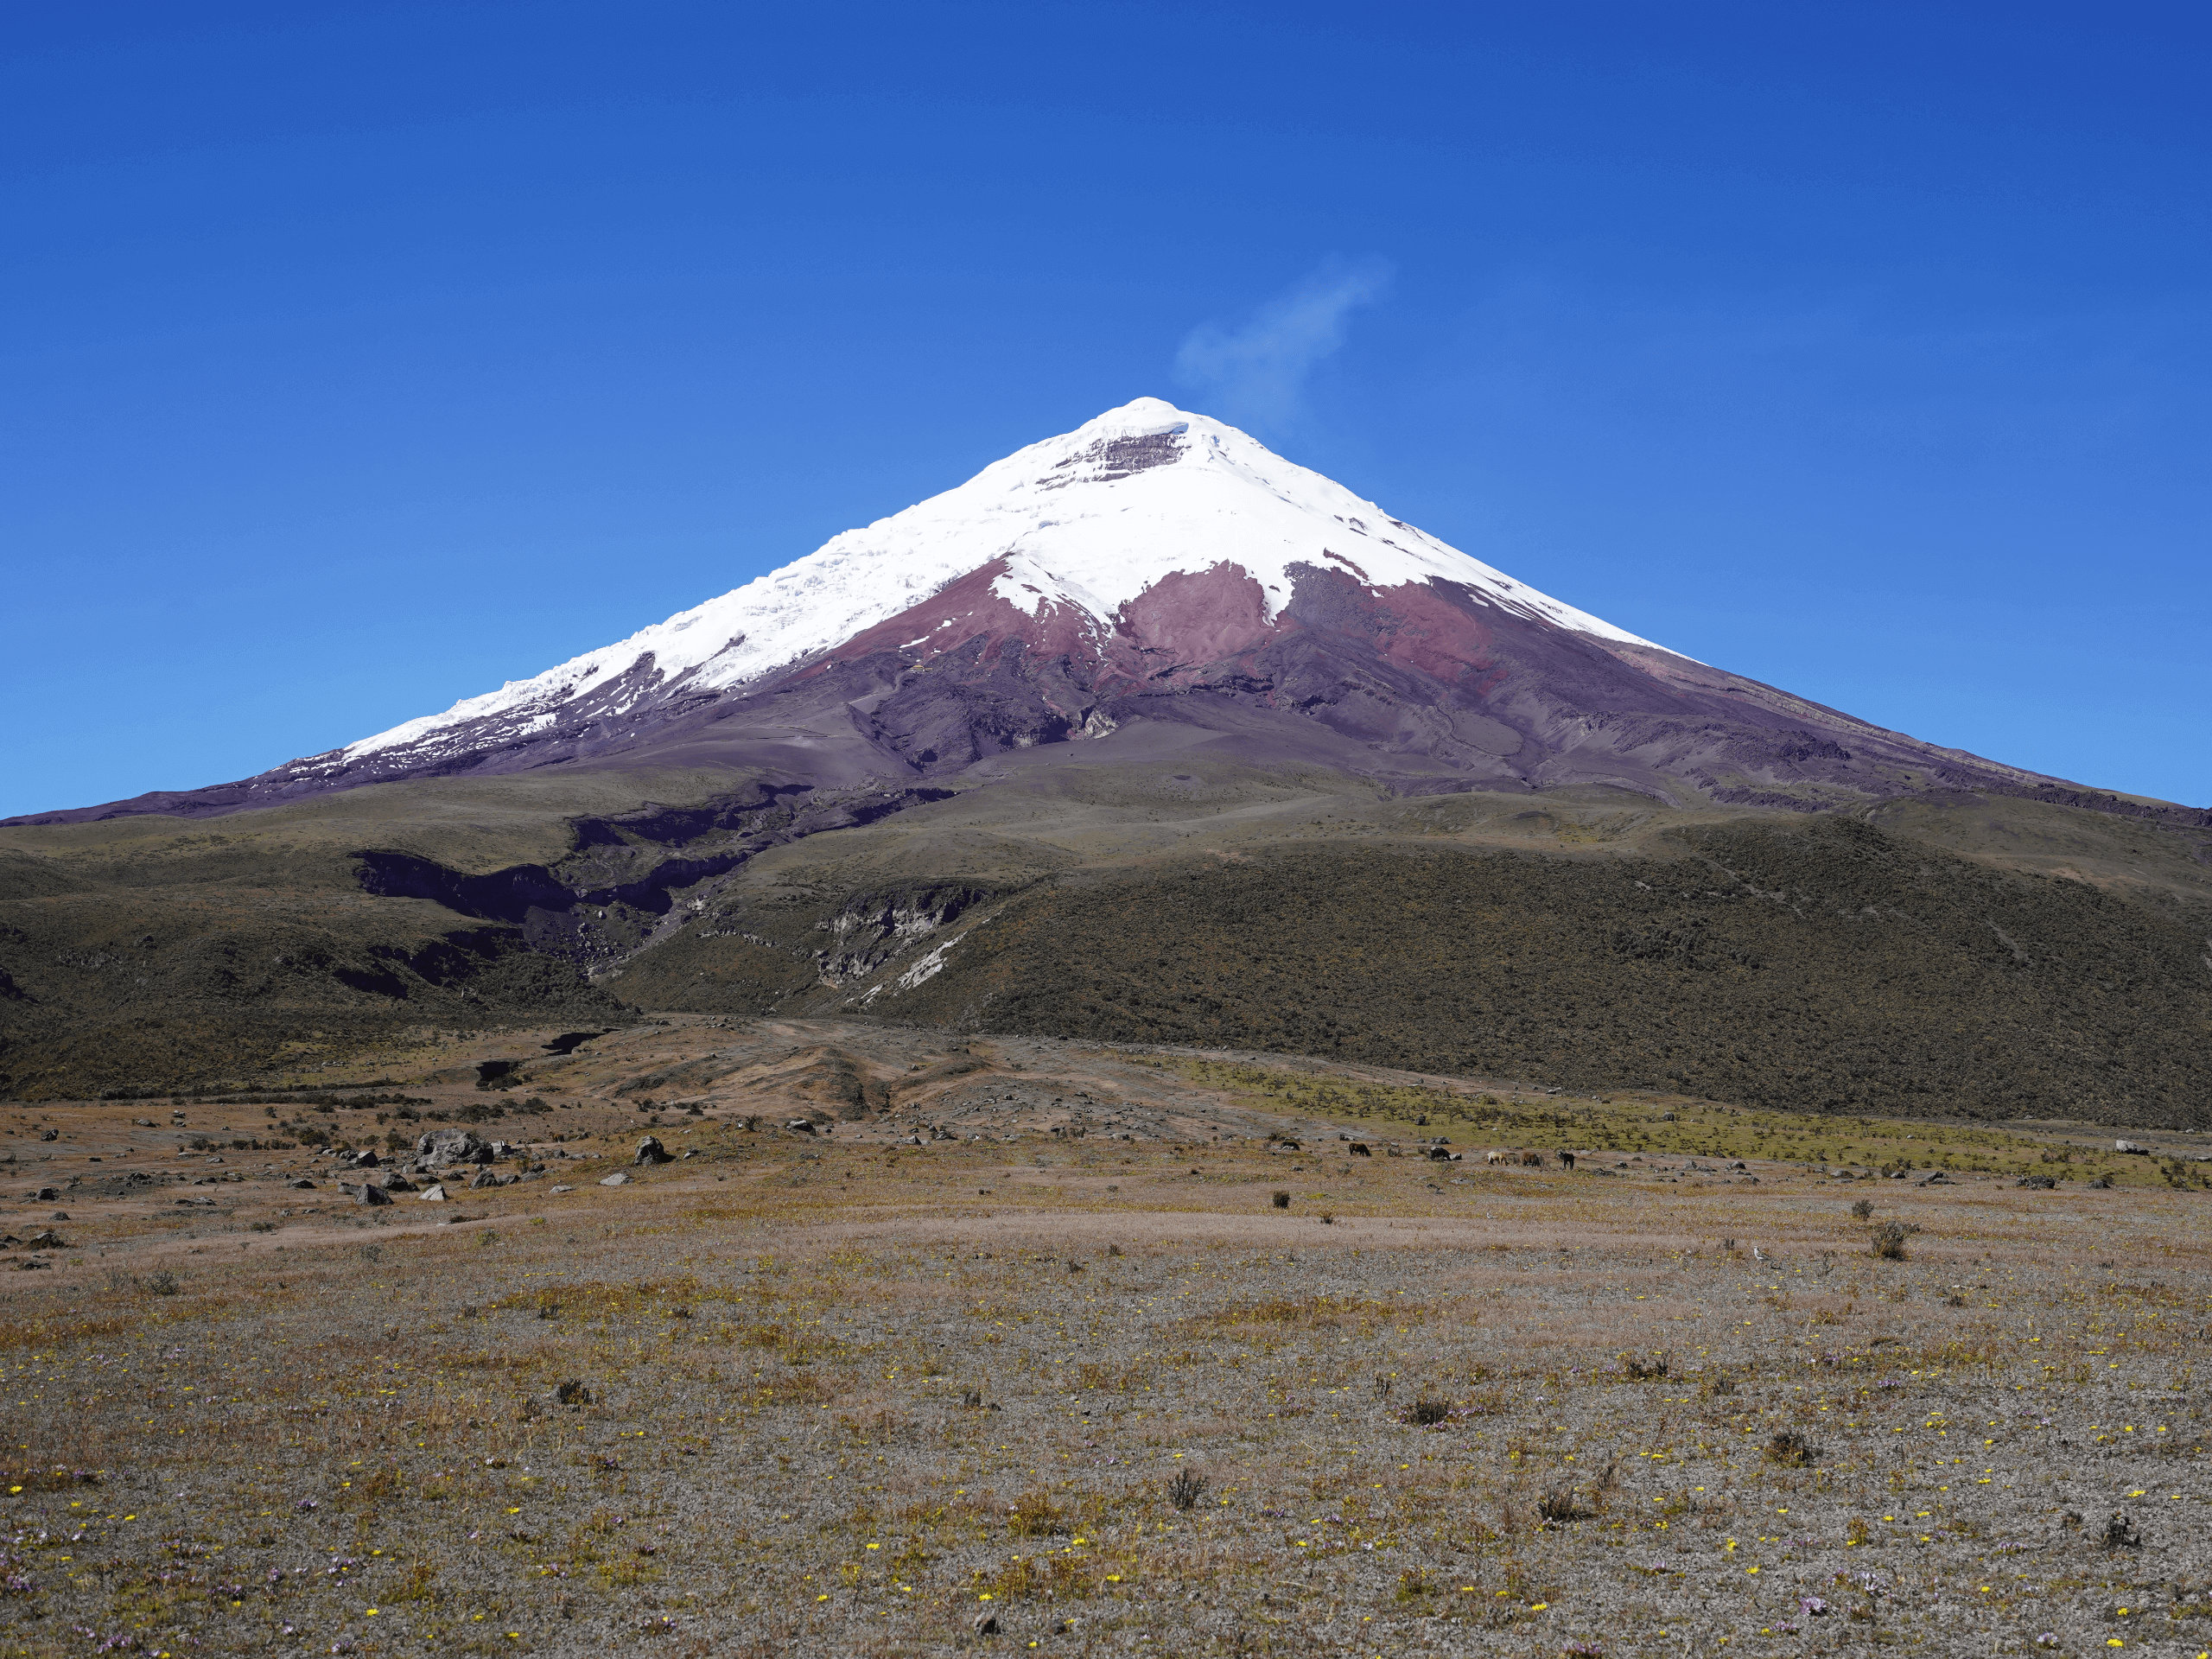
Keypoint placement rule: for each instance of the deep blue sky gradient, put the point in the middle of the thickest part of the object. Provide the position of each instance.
(354, 359)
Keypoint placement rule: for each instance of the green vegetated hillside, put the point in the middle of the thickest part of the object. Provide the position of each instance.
(116, 989)
(1990, 957)
(1820, 964)
(153, 952)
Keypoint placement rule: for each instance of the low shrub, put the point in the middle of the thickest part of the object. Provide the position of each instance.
(1790, 1449)
(1887, 1240)
(1186, 1489)
(1560, 1505)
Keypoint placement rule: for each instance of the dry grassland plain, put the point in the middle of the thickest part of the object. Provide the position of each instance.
(942, 1373)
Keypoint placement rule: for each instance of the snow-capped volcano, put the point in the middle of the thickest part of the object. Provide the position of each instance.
(1074, 531)
(1151, 569)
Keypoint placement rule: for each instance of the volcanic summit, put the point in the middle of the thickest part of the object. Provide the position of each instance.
(1151, 566)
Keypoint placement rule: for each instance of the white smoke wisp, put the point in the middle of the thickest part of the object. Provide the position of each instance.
(1254, 375)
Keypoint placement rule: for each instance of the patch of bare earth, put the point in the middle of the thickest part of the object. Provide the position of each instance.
(951, 1376)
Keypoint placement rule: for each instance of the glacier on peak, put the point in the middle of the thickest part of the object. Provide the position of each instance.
(1087, 521)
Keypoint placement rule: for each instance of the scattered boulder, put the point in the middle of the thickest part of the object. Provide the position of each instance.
(986, 1622)
(397, 1183)
(48, 1240)
(482, 1179)
(2130, 1148)
(442, 1146)
(650, 1151)
(800, 1126)
(369, 1192)
(300, 1185)
(365, 1159)
(46, 1194)
(49, 1134)
(434, 1193)
(618, 1179)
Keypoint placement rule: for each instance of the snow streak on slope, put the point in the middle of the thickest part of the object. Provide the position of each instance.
(1087, 521)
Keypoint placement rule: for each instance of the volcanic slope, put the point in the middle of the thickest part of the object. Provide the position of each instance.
(1145, 731)
(1157, 565)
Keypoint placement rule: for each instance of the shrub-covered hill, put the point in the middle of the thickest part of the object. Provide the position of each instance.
(111, 978)
(1820, 965)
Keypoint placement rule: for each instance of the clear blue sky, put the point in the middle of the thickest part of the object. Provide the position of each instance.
(354, 359)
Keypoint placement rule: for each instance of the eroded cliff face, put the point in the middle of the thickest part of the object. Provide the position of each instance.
(634, 879)
(874, 929)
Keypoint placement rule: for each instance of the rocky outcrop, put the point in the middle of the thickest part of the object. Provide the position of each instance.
(442, 1147)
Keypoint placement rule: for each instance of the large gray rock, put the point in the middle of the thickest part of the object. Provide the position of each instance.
(442, 1146)
(650, 1151)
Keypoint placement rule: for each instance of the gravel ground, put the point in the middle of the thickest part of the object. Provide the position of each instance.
(845, 1395)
